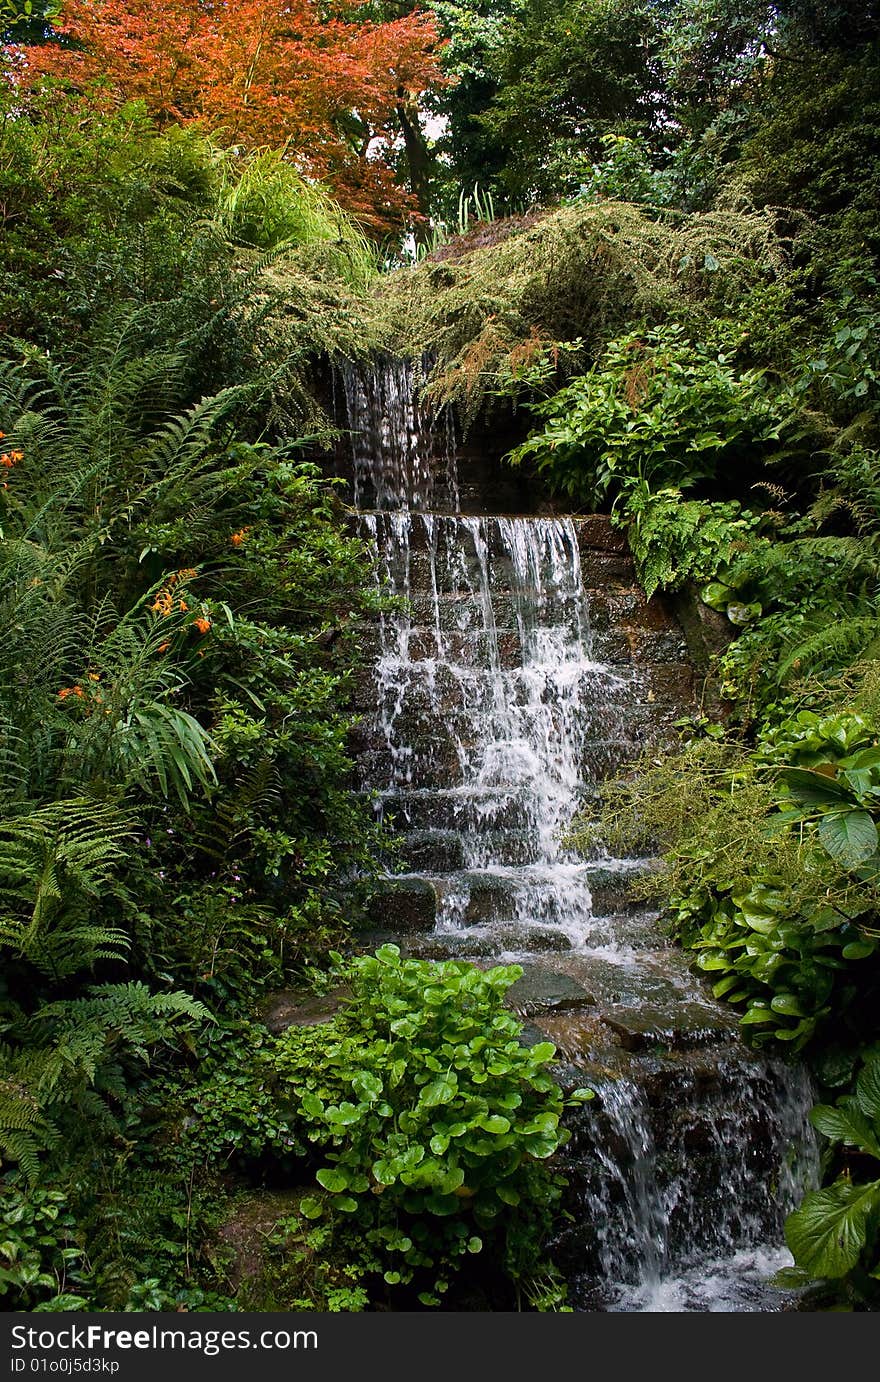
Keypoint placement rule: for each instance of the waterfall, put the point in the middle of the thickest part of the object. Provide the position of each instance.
(488, 697)
(515, 666)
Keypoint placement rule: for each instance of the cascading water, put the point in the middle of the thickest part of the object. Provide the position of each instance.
(488, 699)
(520, 665)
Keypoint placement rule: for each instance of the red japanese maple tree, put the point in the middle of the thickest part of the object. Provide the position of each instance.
(318, 81)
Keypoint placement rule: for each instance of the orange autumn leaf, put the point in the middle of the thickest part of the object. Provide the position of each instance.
(317, 81)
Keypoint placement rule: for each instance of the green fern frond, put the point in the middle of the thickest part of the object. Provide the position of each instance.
(836, 642)
(255, 795)
(55, 863)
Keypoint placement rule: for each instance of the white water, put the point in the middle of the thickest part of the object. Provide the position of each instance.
(488, 693)
(493, 717)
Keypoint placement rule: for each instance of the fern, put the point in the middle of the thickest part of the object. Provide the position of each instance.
(837, 638)
(26, 1129)
(256, 795)
(674, 540)
(56, 864)
(72, 1058)
(783, 568)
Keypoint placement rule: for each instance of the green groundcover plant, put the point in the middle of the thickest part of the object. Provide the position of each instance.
(433, 1122)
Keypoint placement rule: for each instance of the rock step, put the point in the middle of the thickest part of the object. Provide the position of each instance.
(450, 851)
(446, 808)
(415, 902)
(416, 730)
(435, 766)
(595, 533)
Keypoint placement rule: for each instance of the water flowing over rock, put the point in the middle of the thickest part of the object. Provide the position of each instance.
(519, 665)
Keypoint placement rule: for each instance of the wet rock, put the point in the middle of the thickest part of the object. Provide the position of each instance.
(608, 569)
(595, 534)
(245, 1232)
(489, 899)
(611, 889)
(671, 681)
(688, 1024)
(434, 851)
(404, 904)
(366, 942)
(452, 947)
(530, 938)
(413, 808)
(299, 1008)
(541, 989)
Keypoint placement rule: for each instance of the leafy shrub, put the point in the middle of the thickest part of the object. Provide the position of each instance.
(565, 281)
(772, 874)
(675, 541)
(433, 1121)
(42, 1259)
(808, 607)
(656, 407)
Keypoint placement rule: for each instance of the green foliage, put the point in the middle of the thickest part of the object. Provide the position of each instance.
(810, 606)
(657, 407)
(834, 1232)
(235, 258)
(771, 873)
(566, 73)
(71, 1056)
(813, 141)
(433, 1121)
(176, 590)
(675, 541)
(42, 1261)
(843, 367)
(54, 862)
(263, 202)
(553, 287)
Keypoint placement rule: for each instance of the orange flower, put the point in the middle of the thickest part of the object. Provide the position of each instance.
(187, 573)
(162, 602)
(183, 606)
(70, 691)
(202, 624)
(241, 536)
(163, 647)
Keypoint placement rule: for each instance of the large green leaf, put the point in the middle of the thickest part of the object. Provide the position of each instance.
(868, 1089)
(813, 788)
(846, 1123)
(334, 1179)
(827, 1233)
(850, 837)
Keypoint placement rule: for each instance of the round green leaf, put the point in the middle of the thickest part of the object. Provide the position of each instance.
(333, 1178)
(850, 837)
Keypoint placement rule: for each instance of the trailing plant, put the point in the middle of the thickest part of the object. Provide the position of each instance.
(576, 274)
